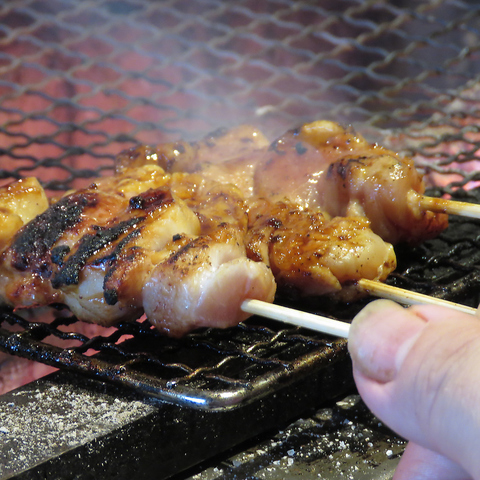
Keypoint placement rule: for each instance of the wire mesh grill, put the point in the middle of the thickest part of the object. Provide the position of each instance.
(81, 81)
(209, 369)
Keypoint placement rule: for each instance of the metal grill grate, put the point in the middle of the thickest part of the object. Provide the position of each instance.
(210, 369)
(81, 81)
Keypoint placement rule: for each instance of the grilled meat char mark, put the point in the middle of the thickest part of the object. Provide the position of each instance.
(34, 248)
(105, 236)
(33, 244)
(69, 272)
(341, 168)
(124, 254)
(117, 269)
(112, 242)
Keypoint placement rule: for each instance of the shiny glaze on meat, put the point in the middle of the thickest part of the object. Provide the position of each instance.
(313, 254)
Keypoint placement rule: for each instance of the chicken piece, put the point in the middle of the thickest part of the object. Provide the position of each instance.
(217, 147)
(320, 165)
(204, 282)
(102, 250)
(323, 165)
(20, 201)
(75, 250)
(211, 154)
(314, 254)
(215, 204)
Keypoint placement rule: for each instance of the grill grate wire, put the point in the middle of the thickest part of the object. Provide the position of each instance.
(207, 369)
(83, 80)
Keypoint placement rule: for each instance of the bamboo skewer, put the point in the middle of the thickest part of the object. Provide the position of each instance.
(406, 297)
(297, 317)
(339, 328)
(452, 207)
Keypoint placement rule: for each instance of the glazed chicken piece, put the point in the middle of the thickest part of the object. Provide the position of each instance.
(120, 247)
(217, 147)
(320, 165)
(313, 254)
(324, 165)
(19, 203)
(214, 157)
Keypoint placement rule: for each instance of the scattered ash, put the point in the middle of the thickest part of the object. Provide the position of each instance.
(342, 441)
(36, 423)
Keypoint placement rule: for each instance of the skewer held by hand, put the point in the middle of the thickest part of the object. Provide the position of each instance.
(406, 297)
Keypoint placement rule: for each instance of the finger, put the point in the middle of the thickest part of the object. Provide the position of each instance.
(418, 370)
(421, 464)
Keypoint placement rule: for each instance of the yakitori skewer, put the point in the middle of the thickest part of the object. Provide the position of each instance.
(336, 327)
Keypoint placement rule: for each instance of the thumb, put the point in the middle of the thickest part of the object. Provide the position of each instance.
(418, 370)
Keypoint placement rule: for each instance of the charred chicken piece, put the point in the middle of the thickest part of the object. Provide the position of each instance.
(114, 250)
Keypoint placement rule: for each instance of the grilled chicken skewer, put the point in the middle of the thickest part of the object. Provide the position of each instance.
(111, 251)
(175, 247)
(320, 165)
(172, 244)
(212, 207)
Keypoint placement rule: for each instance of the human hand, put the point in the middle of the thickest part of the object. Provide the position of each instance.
(418, 370)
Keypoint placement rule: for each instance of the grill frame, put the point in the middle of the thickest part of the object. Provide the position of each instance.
(192, 389)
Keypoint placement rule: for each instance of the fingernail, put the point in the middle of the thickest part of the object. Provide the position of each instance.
(380, 338)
